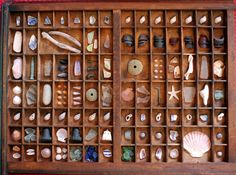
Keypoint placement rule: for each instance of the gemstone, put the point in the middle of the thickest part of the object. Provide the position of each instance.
(106, 136)
(62, 135)
(90, 48)
(46, 153)
(91, 95)
(47, 68)
(135, 67)
(158, 135)
(142, 117)
(17, 116)
(16, 100)
(76, 20)
(76, 153)
(107, 42)
(91, 135)
(33, 43)
(142, 135)
(31, 95)
(90, 37)
(31, 21)
(46, 136)
(92, 20)
(77, 68)
(47, 21)
(47, 94)
(91, 154)
(142, 154)
(17, 42)
(107, 153)
(16, 135)
(17, 68)
(76, 135)
(173, 117)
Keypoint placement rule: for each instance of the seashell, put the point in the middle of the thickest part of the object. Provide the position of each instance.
(92, 117)
(16, 100)
(92, 20)
(219, 135)
(142, 117)
(47, 94)
(203, 20)
(46, 153)
(204, 117)
(173, 20)
(64, 156)
(157, 20)
(188, 19)
(142, 154)
(220, 116)
(218, 19)
(58, 157)
(106, 136)
(64, 150)
(158, 154)
(127, 94)
(30, 152)
(16, 135)
(189, 117)
(62, 20)
(17, 42)
(61, 135)
(177, 72)
(196, 143)
(32, 117)
(58, 150)
(77, 117)
(158, 117)
(142, 19)
(33, 43)
(17, 116)
(107, 116)
(91, 135)
(143, 90)
(107, 153)
(16, 155)
(204, 93)
(18, 19)
(219, 68)
(135, 67)
(17, 90)
(142, 135)
(173, 117)
(106, 20)
(128, 117)
(91, 94)
(127, 19)
(62, 116)
(47, 117)
(158, 135)
(173, 135)
(17, 68)
(174, 153)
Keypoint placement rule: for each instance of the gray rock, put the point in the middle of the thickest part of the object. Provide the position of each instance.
(31, 95)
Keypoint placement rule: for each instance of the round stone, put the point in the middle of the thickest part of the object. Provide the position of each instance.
(58, 157)
(58, 150)
(17, 90)
(46, 153)
(219, 153)
(91, 94)
(16, 100)
(219, 135)
(142, 135)
(16, 155)
(16, 135)
(135, 67)
(158, 135)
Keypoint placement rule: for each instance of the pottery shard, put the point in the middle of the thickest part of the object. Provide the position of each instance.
(17, 68)
(47, 94)
(17, 42)
(31, 95)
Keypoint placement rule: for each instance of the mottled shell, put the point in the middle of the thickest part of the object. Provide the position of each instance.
(91, 94)
(135, 67)
(196, 143)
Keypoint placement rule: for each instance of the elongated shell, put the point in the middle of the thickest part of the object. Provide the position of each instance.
(196, 143)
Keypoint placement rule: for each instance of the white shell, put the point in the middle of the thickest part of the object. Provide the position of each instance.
(158, 153)
(47, 117)
(62, 116)
(196, 143)
(218, 19)
(174, 153)
(188, 19)
(127, 20)
(173, 20)
(16, 100)
(16, 155)
(17, 68)
(204, 93)
(190, 67)
(92, 117)
(32, 117)
(219, 68)
(157, 20)
(77, 117)
(58, 150)
(17, 116)
(58, 157)
(64, 156)
(61, 135)
(142, 20)
(107, 116)
(203, 19)
(17, 90)
(17, 42)
(142, 154)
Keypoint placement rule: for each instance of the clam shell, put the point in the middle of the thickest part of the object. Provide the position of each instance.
(62, 116)
(196, 143)
(157, 20)
(158, 153)
(142, 154)
(135, 67)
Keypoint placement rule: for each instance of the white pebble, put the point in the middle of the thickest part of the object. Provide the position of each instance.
(47, 117)
(17, 116)
(58, 157)
(16, 100)
(32, 117)
(17, 90)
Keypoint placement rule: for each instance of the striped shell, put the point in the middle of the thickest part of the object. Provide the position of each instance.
(196, 143)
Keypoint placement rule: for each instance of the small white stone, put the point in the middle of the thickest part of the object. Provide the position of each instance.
(128, 19)
(58, 157)
(142, 117)
(173, 20)
(64, 156)
(17, 68)
(157, 20)
(17, 90)
(107, 116)
(77, 117)
(16, 100)
(188, 19)
(58, 150)
(17, 42)
(16, 155)
(32, 117)
(92, 117)
(142, 19)
(17, 116)
(64, 150)
(92, 20)
(218, 19)
(47, 117)
(203, 20)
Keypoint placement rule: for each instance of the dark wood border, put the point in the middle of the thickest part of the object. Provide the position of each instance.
(118, 167)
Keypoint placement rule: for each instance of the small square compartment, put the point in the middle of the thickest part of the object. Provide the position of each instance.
(106, 72)
(202, 86)
(171, 149)
(147, 154)
(43, 16)
(43, 114)
(158, 117)
(75, 62)
(201, 14)
(76, 94)
(156, 14)
(102, 157)
(221, 59)
(89, 117)
(158, 32)
(174, 66)
(220, 135)
(10, 115)
(142, 48)
(11, 152)
(90, 14)
(26, 87)
(158, 69)
(205, 117)
(154, 149)
(140, 15)
(46, 67)
(61, 16)
(172, 100)
(31, 60)
(55, 138)
(41, 89)
(106, 40)
(105, 130)
(30, 114)
(106, 18)
(42, 159)
(174, 117)
(126, 87)
(60, 117)
(158, 135)
(175, 45)
(186, 15)
(202, 71)
(220, 94)
(189, 117)
(219, 13)
(219, 35)
(106, 117)
(190, 94)
(11, 94)
(125, 14)
(204, 32)
(92, 141)
(29, 158)
(75, 15)
(123, 139)
(140, 131)
(33, 14)
(90, 94)
(220, 117)
(169, 18)
(142, 117)
(220, 153)
(143, 95)
(127, 117)
(125, 48)
(189, 33)
(60, 94)
(91, 67)
(74, 120)
(13, 18)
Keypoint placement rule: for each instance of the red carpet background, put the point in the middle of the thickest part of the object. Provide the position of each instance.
(45, 1)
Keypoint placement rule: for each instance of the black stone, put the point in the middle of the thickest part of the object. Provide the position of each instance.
(63, 61)
(142, 40)
(76, 135)
(46, 137)
(219, 42)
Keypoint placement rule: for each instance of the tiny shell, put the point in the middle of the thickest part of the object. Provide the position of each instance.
(92, 117)
(173, 20)
(204, 117)
(158, 135)
(17, 116)
(77, 116)
(128, 19)
(189, 117)
(142, 154)
(107, 116)
(16, 155)
(157, 20)
(128, 117)
(218, 19)
(188, 19)
(47, 117)
(62, 116)
(203, 20)
(158, 117)
(158, 153)
(58, 150)
(46, 153)
(17, 90)
(61, 135)
(142, 19)
(32, 117)
(219, 153)
(58, 157)
(174, 153)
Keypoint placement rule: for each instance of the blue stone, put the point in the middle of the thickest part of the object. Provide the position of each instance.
(91, 154)
(32, 21)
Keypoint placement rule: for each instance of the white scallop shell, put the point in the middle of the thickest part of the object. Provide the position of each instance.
(196, 143)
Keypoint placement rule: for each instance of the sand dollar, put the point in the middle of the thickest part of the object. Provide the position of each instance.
(91, 94)
(135, 67)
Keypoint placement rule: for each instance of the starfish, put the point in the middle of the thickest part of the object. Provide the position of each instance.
(173, 93)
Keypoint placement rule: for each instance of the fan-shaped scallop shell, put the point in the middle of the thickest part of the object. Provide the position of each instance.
(196, 143)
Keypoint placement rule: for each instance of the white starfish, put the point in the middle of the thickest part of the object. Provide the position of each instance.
(173, 93)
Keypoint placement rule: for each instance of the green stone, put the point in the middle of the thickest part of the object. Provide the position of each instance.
(90, 37)
(128, 154)
(90, 48)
